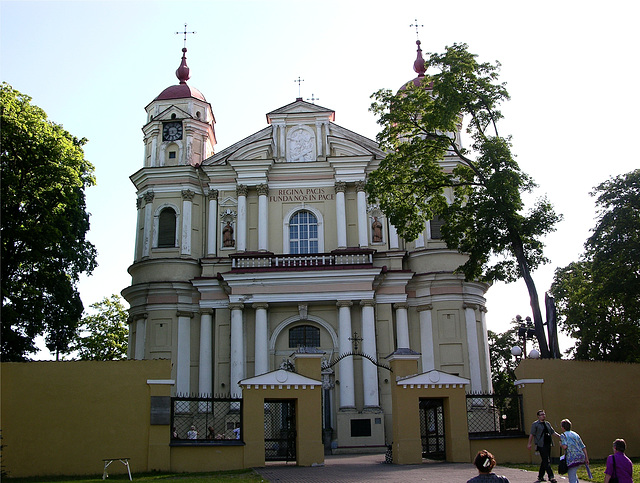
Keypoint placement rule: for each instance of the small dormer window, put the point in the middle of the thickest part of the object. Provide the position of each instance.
(198, 114)
(172, 155)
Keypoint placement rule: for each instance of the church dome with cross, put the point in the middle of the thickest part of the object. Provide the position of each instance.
(182, 90)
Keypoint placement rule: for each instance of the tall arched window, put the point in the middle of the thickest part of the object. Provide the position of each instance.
(304, 336)
(167, 228)
(303, 233)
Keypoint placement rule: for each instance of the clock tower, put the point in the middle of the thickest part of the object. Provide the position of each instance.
(180, 125)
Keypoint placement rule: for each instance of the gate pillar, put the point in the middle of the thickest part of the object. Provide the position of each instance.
(407, 444)
(407, 390)
(286, 385)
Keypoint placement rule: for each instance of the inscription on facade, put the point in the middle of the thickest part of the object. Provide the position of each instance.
(301, 194)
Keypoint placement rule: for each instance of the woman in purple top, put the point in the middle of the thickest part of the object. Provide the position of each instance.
(623, 466)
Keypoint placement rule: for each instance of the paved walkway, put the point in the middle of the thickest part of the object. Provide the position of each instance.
(371, 468)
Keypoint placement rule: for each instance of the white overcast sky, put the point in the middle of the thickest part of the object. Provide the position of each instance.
(571, 68)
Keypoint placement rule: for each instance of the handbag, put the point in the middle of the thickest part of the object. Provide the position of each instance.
(614, 477)
(563, 469)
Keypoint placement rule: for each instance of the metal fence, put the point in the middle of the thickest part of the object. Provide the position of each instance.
(203, 419)
(492, 415)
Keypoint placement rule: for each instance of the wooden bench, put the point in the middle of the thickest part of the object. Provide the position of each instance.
(108, 461)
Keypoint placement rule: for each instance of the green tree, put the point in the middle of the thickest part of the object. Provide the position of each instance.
(43, 226)
(103, 335)
(485, 216)
(599, 296)
(503, 363)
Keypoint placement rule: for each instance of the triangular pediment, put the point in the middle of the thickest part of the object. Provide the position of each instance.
(432, 378)
(167, 114)
(279, 378)
(300, 107)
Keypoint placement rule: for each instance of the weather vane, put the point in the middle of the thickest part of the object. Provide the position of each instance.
(299, 81)
(185, 35)
(413, 25)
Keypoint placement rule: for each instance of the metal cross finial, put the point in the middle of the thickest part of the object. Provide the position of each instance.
(313, 98)
(299, 81)
(185, 35)
(416, 26)
(354, 340)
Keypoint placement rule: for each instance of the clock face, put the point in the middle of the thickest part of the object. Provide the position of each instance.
(172, 131)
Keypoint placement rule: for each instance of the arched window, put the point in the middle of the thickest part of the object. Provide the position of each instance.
(167, 228)
(303, 233)
(304, 336)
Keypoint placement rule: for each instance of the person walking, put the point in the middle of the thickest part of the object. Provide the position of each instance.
(619, 464)
(541, 432)
(485, 462)
(575, 452)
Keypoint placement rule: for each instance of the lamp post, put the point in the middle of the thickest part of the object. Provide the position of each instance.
(526, 331)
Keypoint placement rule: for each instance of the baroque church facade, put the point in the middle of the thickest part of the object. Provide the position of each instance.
(244, 255)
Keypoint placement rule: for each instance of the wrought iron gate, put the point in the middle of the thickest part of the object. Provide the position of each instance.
(432, 428)
(279, 430)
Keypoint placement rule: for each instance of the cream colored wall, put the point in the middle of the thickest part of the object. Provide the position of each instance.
(65, 417)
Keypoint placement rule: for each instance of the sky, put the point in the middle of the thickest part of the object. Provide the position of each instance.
(571, 68)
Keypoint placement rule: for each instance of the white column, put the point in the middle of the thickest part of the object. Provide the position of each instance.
(205, 374)
(241, 232)
(363, 225)
(345, 366)
(419, 243)
(263, 218)
(402, 326)
(187, 203)
(487, 359)
(148, 223)
(262, 339)
(141, 330)
(393, 237)
(369, 346)
(341, 214)
(237, 349)
(472, 343)
(154, 152)
(212, 224)
(183, 357)
(138, 219)
(426, 338)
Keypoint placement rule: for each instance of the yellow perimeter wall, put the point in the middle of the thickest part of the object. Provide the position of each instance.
(601, 399)
(65, 417)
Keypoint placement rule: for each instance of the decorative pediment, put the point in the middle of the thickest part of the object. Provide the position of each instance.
(167, 114)
(432, 379)
(300, 108)
(257, 146)
(280, 379)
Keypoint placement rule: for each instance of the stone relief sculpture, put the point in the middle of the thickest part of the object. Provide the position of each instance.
(300, 146)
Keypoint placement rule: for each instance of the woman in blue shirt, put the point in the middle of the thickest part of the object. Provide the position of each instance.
(574, 449)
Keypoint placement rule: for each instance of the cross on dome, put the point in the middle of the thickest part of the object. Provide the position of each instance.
(183, 71)
(412, 25)
(185, 35)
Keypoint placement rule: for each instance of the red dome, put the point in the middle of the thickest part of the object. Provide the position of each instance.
(181, 91)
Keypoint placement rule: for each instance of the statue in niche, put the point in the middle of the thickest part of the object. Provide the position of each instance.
(227, 236)
(376, 226)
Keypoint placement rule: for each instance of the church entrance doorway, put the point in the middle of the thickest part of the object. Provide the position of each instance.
(432, 428)
(280, 430)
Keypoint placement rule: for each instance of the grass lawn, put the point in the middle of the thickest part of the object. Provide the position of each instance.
(597, 469)
(239, 476)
